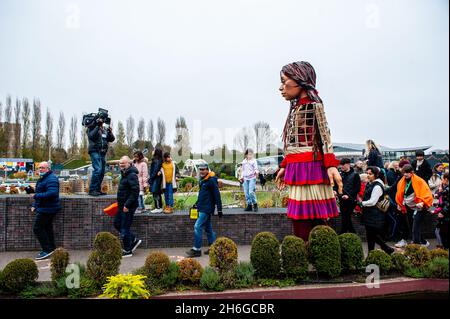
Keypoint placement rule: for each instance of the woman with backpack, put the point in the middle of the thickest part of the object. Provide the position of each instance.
(372, 217)
(156, 180)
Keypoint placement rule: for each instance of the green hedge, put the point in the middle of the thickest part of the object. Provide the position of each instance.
(294, 258)
(265, 255)
(352, 254)
(324, 251)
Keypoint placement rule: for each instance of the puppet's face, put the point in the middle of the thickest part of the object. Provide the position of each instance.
(289, 88)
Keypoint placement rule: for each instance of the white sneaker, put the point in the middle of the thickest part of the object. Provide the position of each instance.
(156, 211)
(402, 243)
(426, 244)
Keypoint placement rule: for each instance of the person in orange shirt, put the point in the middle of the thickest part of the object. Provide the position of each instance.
(414, 198)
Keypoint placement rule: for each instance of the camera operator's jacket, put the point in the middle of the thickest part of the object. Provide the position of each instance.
(96, 141)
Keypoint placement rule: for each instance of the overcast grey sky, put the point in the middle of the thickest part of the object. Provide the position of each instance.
(382, 66)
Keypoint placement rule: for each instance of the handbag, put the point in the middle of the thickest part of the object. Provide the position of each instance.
(112, 209)
(193, 212)
(384, 204)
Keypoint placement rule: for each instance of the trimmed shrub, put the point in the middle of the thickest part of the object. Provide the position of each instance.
(211, 280)
(156, 265)
(325, 251)
(187, 180)
(352, 254)
(105, 260)
(381, 259)
(58, 263)
(125, 287)
(88, 288)
(437, 268)
(223, 254)
(190, 270)
(400, 262)
(294, 259)
(415, 272)
(438, 252)
(19, 274)
(417, 255)
(170, 278)
(265, 255)
(244, 274)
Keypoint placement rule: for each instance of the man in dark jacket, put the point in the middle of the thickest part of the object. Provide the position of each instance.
(99, 137)
(347, 202)
(422, 167)
(46, 205)
(208, 199)
(127, 199)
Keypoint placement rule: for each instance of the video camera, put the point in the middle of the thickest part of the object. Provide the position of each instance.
(92, 119)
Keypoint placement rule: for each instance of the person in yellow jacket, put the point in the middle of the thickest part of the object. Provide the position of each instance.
(414, 198)
(169, 183)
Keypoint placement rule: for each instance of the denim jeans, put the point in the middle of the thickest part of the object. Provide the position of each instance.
(43, 229)
(141, 201)
(250, 191)
(168, 194)
(203, 221)
(99, 166)
(122, 222)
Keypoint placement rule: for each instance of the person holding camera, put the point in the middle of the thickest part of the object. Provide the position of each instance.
(99, 135)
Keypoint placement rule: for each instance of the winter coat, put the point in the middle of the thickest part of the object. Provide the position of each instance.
(375, 158)
(425, 171)
(155, 181)
(128, 192)
(209, 195)
(372, 216)
(352, 183)
(142, 168)
(46, 199)
(98, 143)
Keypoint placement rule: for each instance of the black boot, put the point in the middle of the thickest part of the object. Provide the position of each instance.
(255, 207)
(249, 208)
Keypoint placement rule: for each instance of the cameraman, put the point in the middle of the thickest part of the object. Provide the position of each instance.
(99, 136)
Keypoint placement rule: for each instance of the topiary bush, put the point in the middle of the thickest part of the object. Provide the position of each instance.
(439, 252)
(156, 264)
(437, 268)
(170, 278)
(294, 258)
(211, 280)
(381, 259)
(19, 274)
(187, 180)
(324, 251)
(399, 262)
(265, 255)
(244, 275)
(352, 254)
(190, 271)
(105, 259)
(58, 263)
(417, 255)
(223, 254)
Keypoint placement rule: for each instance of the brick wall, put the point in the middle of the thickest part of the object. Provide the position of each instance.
(82, 217)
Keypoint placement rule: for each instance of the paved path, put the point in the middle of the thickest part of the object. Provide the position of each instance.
(131, 263)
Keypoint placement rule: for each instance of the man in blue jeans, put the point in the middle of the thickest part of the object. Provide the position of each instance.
(127, 200)
(99, 136)
(208, 199)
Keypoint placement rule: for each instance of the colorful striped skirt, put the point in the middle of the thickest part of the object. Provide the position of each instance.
(310, 193)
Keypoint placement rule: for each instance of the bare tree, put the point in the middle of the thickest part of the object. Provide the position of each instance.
(60, 131)
(141, 133)
(17, 110)
(161, 132)
(130, 130)
(243, 140)
(182, 138)
(7, 126)
(150, 131)
(2, 133)
(84, 147)
(262, 136)
(48, 134)
(25, 125)
(73, 135)
(36, 130)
